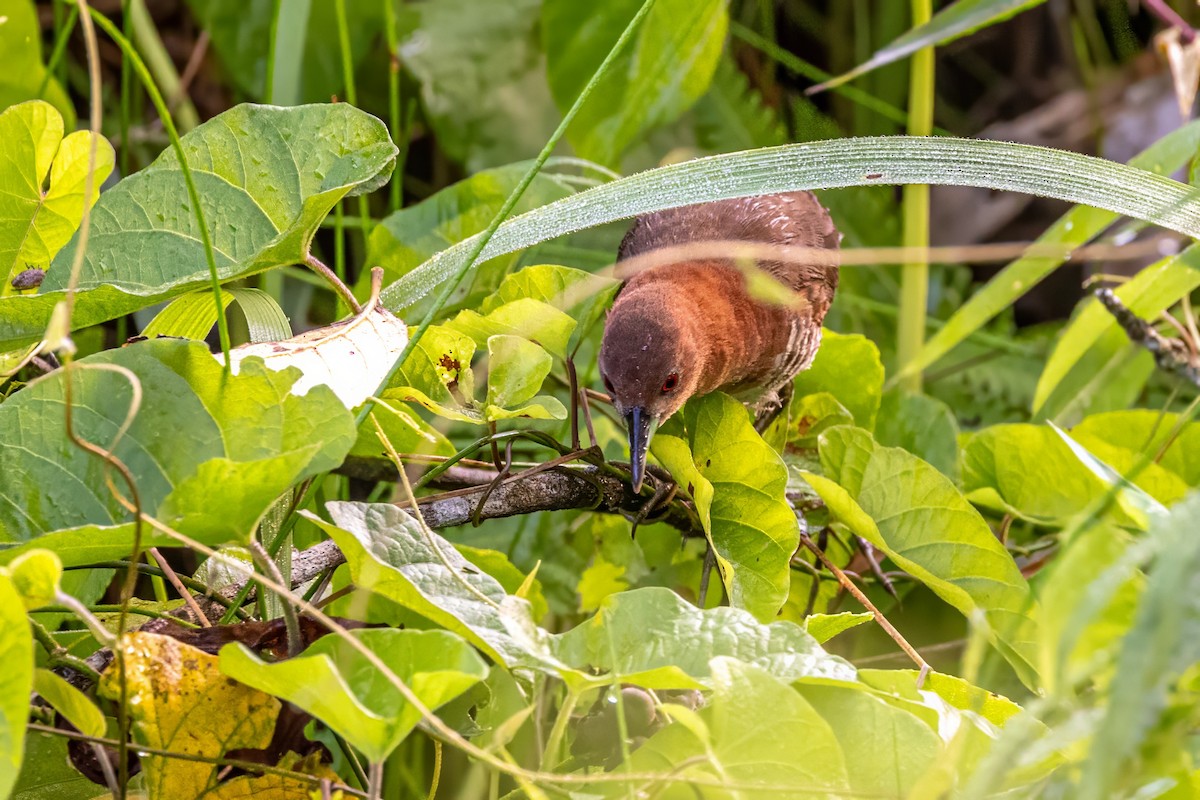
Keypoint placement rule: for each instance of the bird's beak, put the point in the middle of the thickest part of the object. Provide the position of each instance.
(641, 427)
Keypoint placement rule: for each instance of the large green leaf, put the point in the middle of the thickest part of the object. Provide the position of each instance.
(1150, 292)
(921, 425)
(1143, 431)
(653, 638)
(738, 483)
(959, 19)
(197, 435)
(483, 79)
(658, 76)
(337, 684)
(266, 177)
(755, 731)
(21, 55)
(389, 553)
(1031, 472)
(842, 162)
(1163, 642)
(732, 116)
(44, 178)
(915, 514)
(16, 681)
(849, 368)
(1076, 227)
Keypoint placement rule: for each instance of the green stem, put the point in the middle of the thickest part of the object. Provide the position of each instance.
(914, 286)
(343, 26)
(193, 195)
(65, 29)
(510, 202)
(272, 44)
(395, 120)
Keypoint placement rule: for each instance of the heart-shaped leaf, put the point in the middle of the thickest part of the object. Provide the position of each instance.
(266, 177)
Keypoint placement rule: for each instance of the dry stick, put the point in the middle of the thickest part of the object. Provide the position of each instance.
(179, 587)
(1164, 12)
(343, 291)
(190, 70)
(849, 586)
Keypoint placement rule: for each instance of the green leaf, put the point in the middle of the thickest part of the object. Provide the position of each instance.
(73, 704)
(1076, 227)
(189, 317)
(1031, 472)
(923, 426)
(653, 638)
(336, 684)
(914, 514)
(35, 223)
(659, 75)
(807, 417)
(497, 564)
(16, 681)
(1152, 291)
(892, 748)
(516, 369)
(583, 295)
(1162, 643)
(1143, 431)
(483, 80)
(841, 162)
(732, 116)
(438, 373)
(36, 576)
(48, 774)
(196, 435)
(532, 319)
(738, 484)
(406, 238)
(952, 22)
(21, 55)
(848, 367)
(390, 554)
(266, 176)
(824, 627)
(738, 748)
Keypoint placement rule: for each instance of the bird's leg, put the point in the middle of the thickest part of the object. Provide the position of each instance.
(503, 472)
(587, 415)
(770, 406)
(664, 493)
(869, 553)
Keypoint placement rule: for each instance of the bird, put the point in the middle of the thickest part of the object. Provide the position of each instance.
(684, 329)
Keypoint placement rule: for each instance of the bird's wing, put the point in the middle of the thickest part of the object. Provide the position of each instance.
(791, 218)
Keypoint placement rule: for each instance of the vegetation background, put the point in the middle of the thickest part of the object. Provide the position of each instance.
(962, 564)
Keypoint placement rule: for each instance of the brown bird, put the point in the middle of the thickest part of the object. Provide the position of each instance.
(685, 329)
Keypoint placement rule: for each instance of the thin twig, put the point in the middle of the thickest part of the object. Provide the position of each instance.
(179, 587)
(1168, 15)
(849, 586)
(1171, 355)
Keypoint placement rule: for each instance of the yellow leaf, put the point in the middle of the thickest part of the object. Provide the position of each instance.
(179, 701)
(278, 787)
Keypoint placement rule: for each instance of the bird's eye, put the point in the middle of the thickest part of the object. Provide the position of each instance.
(670, 383)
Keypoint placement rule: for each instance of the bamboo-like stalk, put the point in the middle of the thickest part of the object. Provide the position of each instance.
(914, 285)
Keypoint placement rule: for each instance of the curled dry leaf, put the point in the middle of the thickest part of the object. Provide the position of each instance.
(1183, 58)
(350, 357)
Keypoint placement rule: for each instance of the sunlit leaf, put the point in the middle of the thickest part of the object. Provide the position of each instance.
(337, 684)
(390, 554)
(73, 704)
(178, 700)
(266, 177)
(653, 638)
(915, 514)
(16, 681)
(824, 627)
(45, 178)
(848, 367)
(21, 54)
(738, 483)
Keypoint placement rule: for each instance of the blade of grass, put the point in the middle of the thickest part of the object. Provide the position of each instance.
(478, 243)
(914, 281)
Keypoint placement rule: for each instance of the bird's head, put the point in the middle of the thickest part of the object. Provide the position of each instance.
(650, 365)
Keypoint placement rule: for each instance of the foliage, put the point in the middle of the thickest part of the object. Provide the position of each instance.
(1021, 528)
